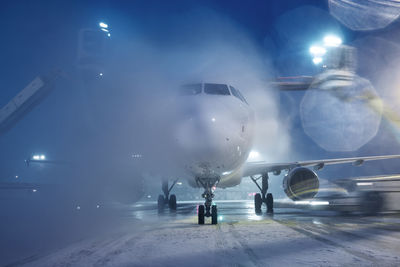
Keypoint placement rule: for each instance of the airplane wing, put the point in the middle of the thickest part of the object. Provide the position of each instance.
(260, 167)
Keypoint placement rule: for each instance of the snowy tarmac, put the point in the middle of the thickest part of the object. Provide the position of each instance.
(290, 237)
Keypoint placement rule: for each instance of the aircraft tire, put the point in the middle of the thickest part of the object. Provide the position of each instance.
(161, 203)
(172, 202)
(214, 214)
(200, 214)
(257, 202)
(270, 203)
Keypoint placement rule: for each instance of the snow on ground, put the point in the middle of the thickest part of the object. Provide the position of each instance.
(267, 242)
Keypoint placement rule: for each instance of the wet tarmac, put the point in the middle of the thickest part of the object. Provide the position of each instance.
(144, 237)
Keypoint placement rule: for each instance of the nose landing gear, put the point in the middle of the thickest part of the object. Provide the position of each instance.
(263, 197)
(207, 210)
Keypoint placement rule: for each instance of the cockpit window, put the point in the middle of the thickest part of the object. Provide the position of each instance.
(190, 89)
(216, 89)
(237, 93)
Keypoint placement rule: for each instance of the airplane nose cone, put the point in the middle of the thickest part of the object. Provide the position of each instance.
(200, 132)
(211, 134)
(206, 141)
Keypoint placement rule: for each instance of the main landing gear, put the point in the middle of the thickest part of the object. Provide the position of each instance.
(207, 210)
(263, 197)
(166, 198)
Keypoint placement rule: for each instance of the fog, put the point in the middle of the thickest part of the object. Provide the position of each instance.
(107, 126)
(115, 127)
(131, 110)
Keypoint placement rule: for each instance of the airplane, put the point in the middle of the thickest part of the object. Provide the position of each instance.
(214, 138)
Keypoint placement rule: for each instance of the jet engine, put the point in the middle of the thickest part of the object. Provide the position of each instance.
(301, 183)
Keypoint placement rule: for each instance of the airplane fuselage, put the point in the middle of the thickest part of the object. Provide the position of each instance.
(214, 133)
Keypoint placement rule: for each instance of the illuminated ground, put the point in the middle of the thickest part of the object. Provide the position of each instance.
(290, 237)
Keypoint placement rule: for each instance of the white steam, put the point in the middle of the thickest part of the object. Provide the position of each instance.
(147, 71)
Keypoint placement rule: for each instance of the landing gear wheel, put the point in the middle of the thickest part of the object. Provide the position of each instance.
(161, 203)
(257, 203)
(270, 203)
(172, 202)
(200, 214)
(214, 214)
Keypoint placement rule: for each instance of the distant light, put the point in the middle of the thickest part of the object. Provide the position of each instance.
(78, 207)
(317, 60)
(39, 157)
(220, 217)
(213, 119)
(332, 40)
(34, 190)
(109, 34)
(226, 173)
(104, 30)
(364, 184)
(179, 183)
(97, 206)
(103, 25)
(148, 196)
(137, 155)
(101, 74)
(16, 176)
(317, 50)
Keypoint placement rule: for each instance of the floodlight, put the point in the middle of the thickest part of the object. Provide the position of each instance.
(317, 50)
(332, 40)
(317, 60)
(103, 25)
